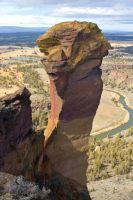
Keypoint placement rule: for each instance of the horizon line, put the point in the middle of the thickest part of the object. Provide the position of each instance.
(51, 26)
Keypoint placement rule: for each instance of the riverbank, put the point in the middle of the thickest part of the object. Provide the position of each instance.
(128, 96)
(117, 115)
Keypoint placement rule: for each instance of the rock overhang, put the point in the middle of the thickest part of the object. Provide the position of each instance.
(72, 43)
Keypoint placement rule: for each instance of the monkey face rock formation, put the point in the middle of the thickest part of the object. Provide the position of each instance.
(73, 52)
(19, 146)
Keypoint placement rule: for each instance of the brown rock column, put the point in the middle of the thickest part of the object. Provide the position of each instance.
(73, 52)
(20, 147)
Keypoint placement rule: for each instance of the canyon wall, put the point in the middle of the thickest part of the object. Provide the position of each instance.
(73, 53)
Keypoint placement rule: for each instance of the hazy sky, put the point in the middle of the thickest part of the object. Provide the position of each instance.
(108, 14)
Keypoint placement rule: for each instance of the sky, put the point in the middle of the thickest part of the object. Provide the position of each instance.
(114, 15)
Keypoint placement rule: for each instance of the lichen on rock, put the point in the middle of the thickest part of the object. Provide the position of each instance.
(18, 188)
(80, 41)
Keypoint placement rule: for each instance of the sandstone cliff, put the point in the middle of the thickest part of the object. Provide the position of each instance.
(73, 52)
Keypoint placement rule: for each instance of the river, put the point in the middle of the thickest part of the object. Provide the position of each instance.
(121, 127)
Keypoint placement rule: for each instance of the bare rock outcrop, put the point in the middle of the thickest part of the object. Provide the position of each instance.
(19, 145)
(73, 53)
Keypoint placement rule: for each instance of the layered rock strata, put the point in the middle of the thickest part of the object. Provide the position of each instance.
(73, 53)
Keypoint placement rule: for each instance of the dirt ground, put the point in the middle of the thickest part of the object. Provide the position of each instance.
(115, 188)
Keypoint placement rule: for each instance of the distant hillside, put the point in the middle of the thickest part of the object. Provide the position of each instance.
(17, 29)
(24, 36)
(119, 36)
(20, 38)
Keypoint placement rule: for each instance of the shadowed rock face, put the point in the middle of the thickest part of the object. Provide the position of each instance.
(19, 146)
(15, 118)
(73, 52)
